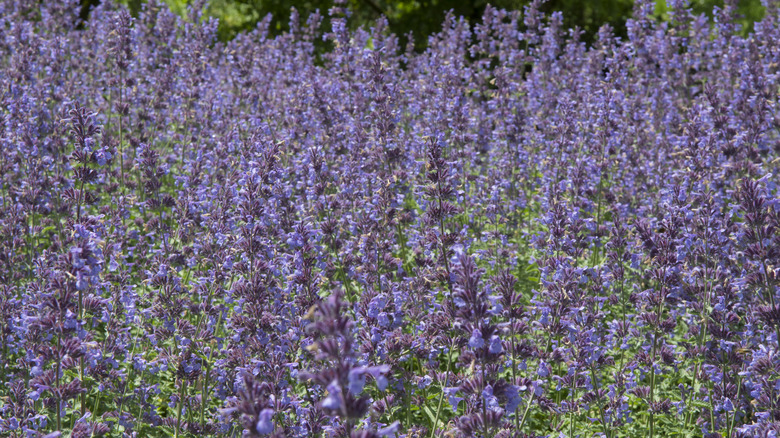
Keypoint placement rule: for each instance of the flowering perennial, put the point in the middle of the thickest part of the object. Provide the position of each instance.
(323, 234)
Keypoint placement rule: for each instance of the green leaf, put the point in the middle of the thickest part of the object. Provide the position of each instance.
(432, 416)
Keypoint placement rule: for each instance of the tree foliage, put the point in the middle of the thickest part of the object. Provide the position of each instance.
(421, 18)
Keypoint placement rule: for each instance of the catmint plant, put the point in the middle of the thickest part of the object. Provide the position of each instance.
(318, 232)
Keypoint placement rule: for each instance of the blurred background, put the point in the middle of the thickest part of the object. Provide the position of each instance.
(423, 17)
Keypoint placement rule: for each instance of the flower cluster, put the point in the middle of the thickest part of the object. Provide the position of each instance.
(324, 234)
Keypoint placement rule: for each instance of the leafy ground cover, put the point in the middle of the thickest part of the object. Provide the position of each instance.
(508, 234)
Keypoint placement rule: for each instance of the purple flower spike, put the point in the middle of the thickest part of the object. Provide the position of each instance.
(265, 424)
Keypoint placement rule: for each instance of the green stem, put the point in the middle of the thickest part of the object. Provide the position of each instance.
(652, 383)
(182, 387)
(601, 407)
(203, 395)
(97, 403)
(129, 376)
(59, 413)
(514, 365)
(484, 408)
(525, 413)
(441, 397)
(571, 406)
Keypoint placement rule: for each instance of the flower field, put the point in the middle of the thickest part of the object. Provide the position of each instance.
(324, 234)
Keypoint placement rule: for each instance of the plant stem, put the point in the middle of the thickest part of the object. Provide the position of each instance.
(514, 365)
(182, 387)
(203, 394)
(736, 407)
(441, 398)
(59, 402)
(525, 414)
(601, 407)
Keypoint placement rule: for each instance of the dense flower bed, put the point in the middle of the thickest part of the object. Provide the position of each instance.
(325, 234)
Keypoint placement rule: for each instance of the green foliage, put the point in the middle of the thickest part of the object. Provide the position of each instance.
(421, 18)
(750, 11)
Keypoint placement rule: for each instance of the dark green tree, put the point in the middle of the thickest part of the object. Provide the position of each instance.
(421, 18)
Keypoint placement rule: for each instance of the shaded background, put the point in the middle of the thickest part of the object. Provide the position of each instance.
(423, 17)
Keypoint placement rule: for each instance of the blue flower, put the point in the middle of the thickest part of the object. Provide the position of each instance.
(357, 379)
(264, 424)
(476, 341)
(513, 398)
(544, 370)
(390, 430)
(452, 397)
(424, 381)
(496, 346)
(333, 400)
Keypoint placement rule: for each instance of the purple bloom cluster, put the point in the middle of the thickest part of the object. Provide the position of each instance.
(509, 234)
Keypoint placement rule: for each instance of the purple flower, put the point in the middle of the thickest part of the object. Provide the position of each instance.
(476, 341)
(496, 346)
(357, 379)
(544, 369)
(282, 227)
(389, 430)
(513, 398)
(333, 400)
(452, 397)
(424, 381)
(265, 424)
